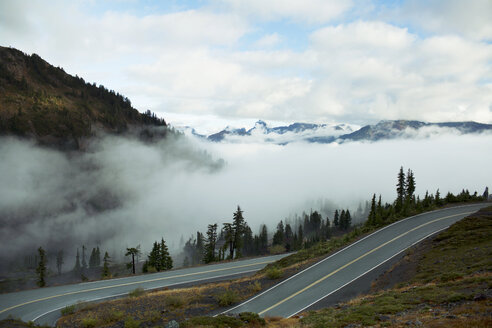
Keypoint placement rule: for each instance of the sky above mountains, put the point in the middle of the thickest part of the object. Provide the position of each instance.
(280, 60)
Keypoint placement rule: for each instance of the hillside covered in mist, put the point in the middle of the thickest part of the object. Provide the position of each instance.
(40, 101)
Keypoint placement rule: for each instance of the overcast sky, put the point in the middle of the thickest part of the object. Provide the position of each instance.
(277, 60)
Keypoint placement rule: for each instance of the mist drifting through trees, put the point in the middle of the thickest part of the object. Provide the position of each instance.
(122, 192)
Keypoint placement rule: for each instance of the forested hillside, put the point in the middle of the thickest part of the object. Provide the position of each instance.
(41, 101)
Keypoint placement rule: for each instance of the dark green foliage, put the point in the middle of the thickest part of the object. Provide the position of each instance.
(41, 269)
(132, 251)
(210, 244)
(84, 263)
(77, 268)
(279, 236)
(159, 258)
(400, 191)
(106, 260)
(238, 225)
(228, 297)
(263, 240)
(59, 261)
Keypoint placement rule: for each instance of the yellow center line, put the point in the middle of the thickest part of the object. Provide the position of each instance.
(131, 283)
(355, 260)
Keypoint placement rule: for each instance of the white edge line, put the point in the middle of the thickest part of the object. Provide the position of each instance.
(173, 284)
(343, 249)
(374, 267)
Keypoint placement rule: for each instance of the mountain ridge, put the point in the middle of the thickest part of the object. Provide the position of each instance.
(43, 102)
(325, 133)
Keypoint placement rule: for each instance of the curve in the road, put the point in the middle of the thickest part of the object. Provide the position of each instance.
(30, 305)
(339, 270)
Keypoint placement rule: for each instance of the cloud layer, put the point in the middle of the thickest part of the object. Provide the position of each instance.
(356, 62)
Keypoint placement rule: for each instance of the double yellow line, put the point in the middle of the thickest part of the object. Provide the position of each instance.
(355, 260)
(132, 283)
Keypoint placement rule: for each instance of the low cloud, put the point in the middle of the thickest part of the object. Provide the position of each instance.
(122, 192)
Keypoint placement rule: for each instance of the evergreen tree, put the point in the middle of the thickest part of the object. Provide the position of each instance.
(98, 257)
(41, 269)
(210, 245)
(199, 248)
(289, 238)
(248, 241)
(77, 267)
(59, 261)
(485, 194)
(410, 188)
(300, 237)
(166, 261)
(263, 240)
(153, 259)
(371, 219)
(400, 191)
(279, 236)
(133, 252)
(228, 231)
(437, 198)
(106, 260)
(336, 219)
(238, 226)
(92, 259)
(84, 263)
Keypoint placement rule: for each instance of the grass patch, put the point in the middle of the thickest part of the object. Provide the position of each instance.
(131, 323)
(175, 301)
(228, 297)
(137, 292)
(220, 321)
(69, 309)
(274, 273)
(89, 322)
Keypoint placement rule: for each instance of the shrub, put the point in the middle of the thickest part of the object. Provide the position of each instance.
(274, 273)
(252, 318)
(228, 297)
(89, 322)
(277, 249)
(136, 292)
(255, 287)
(175, 301)
(131, 323)
(69, 309)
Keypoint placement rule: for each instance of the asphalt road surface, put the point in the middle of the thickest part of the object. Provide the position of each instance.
(345, 268)
(43, 305)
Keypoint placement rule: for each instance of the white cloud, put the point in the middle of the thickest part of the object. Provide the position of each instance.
(268, 40)
(308, 11)
(466, 18)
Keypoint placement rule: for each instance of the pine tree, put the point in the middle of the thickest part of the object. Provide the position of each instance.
(300, 236)
(371, 219)
(263, 240)
(238, 226)
(41, 269)
(59, 261)
(336, 219)
(437, 198)
(199, 248)
(289, 238)
(92, 258)
(166, 261)
(77, 267)
(485, 194)
(133, 252)
(410, 187)
(279, 236)
(98, 257)
(153, 258)
(400, 191)
(84, 263)
(228, 231)
(106, 260)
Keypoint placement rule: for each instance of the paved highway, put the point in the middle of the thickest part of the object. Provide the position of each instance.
(42, 305)
(341, 269)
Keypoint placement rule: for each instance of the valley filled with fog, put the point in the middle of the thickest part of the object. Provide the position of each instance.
(122, 192)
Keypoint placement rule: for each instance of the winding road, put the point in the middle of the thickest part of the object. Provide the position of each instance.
(43, 305)
(343, 269)
(338, 272)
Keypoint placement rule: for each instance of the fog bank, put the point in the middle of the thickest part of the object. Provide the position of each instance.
(122, 192)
